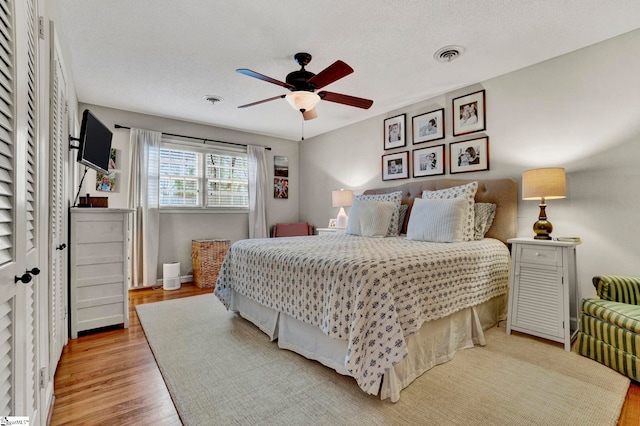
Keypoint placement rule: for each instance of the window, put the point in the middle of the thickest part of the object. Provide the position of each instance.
(198, 178)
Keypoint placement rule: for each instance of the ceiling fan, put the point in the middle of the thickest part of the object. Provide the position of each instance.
(303, 84)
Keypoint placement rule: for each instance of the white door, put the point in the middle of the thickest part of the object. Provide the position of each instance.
(59, 143)
(19, 254)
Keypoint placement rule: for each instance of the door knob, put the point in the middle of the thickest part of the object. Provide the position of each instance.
(61, 246)
(25, 278)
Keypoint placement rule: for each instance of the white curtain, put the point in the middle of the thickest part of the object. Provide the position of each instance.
(144, 152)
(258, 190)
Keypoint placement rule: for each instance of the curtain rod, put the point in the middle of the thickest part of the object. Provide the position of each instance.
(117, 126)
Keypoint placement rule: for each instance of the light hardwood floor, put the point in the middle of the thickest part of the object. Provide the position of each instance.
(110, 376)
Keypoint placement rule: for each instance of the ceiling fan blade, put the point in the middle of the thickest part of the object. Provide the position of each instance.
(262, 101)
(346, 99)
(333, 72)
(264, 78)
(310, 115)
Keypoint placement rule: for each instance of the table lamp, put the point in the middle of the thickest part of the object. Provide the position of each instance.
(342, 199)
(543, 184)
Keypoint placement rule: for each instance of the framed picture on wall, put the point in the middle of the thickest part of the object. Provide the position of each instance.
(280, 177)
(394, 132)
(113, 159)
(395, 166)
(280, 166)
(280, 187)
(428, 161)
(469, 113)
(428, 127)
(469, 156)
(106, 182)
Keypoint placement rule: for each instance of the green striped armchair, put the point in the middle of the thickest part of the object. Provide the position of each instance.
(610, 326)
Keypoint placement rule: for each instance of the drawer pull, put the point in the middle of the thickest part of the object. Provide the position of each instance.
(537, 254)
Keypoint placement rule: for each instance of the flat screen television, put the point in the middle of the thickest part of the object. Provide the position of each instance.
(95, 143)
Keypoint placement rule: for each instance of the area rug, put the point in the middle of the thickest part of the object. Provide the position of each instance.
(221, 370)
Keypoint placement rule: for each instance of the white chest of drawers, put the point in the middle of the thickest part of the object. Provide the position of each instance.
(98, 268)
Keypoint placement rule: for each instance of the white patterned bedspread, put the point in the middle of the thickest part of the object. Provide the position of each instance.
(371, 292)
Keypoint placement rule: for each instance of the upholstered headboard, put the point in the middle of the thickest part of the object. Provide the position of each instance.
(502, 192)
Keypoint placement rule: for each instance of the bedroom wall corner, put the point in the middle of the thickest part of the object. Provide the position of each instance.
(178, 229)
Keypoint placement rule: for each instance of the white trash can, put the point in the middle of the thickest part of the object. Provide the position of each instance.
(171, 276)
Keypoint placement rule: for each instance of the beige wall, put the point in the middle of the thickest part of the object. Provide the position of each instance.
(178, 229)
(580, 111)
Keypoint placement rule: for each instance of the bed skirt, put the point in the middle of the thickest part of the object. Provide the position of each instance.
(436, 343)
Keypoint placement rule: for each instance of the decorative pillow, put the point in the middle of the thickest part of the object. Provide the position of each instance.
(369, 218)
(438, 221)
(484, 214)
(395, 197)
(402, 214)
(466, 192)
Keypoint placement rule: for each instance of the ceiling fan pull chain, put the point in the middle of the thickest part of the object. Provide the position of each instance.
(301, 128)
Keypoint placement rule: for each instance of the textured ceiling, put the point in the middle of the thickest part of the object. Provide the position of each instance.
(162, 57)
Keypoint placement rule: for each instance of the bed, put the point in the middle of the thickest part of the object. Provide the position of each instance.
(382, 310)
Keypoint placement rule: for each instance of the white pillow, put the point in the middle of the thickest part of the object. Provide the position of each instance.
(396, 198)
(466, 192)
(369, 218)
(438, 221)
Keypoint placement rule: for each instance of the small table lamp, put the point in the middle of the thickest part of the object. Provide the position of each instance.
(543, 184)
(342, 199)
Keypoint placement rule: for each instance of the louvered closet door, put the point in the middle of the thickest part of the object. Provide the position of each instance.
(27, 120)
(19, 385)
(57, 229)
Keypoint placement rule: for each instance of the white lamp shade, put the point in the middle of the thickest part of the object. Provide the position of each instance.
(550, 183)
(302, 100)
(342, 198)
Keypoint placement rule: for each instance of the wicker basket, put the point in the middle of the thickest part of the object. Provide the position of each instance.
(206, 257)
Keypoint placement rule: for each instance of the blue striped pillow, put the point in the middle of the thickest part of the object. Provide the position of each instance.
(438, 221)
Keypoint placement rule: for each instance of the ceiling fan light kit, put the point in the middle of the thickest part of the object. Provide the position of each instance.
(303, 84)
(302, 100)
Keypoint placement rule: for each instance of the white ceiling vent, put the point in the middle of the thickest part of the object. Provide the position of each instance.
(448, 53)
(213, 99)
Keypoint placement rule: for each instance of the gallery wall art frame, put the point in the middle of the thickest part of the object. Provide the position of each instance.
(394, 131)
(428, 127)
(469, 113)
(395, 166)
(429, 161)
(469, 156)
(280, 177)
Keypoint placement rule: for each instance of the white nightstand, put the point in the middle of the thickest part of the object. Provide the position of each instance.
(543, 298)
(329, 231)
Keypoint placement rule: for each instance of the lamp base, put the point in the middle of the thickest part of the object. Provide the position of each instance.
(542, 228)
(341, 220)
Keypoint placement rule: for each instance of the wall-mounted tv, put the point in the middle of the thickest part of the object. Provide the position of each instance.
(95, 143)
